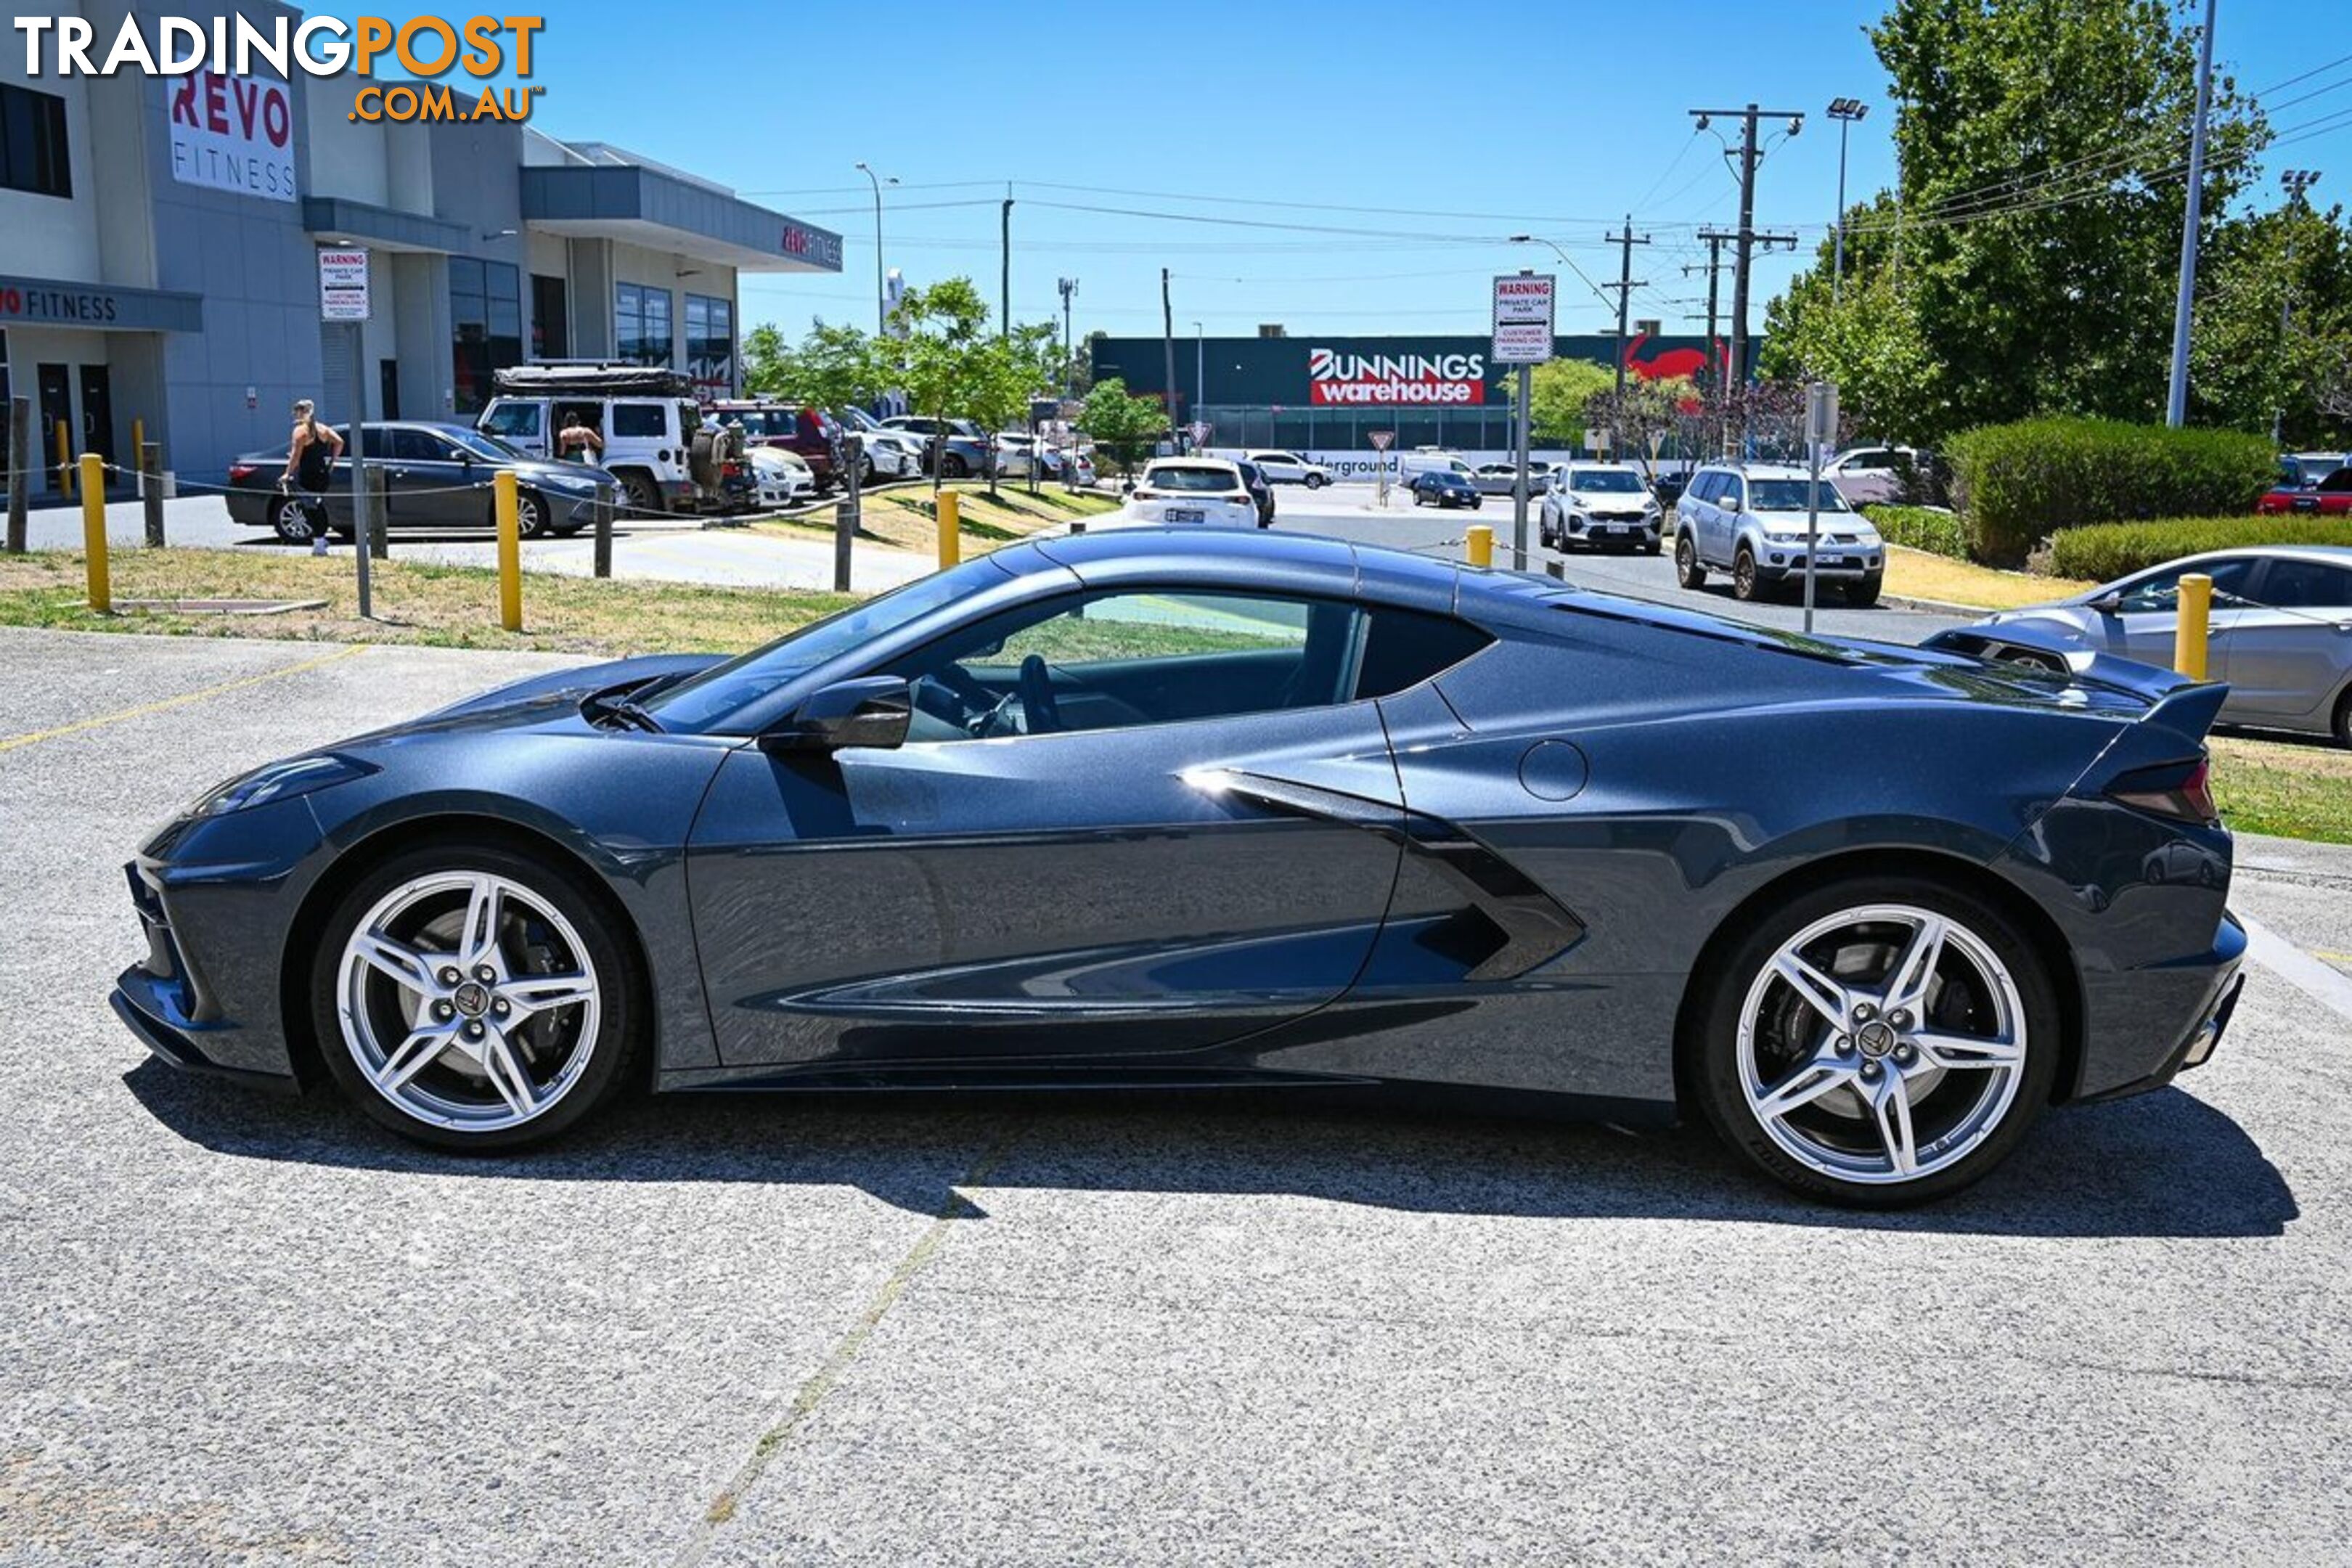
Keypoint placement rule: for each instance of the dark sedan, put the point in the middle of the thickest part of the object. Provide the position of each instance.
(1162, 808)
(1444, 487)
(436, 476)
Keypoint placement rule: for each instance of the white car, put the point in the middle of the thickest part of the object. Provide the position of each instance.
(1590, 505)
(1750, 520)
(779, 477)
(1204, 492)
(1289, 469)
(1867, 475)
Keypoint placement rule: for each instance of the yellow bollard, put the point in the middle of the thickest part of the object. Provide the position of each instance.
(951, 529)
(502, 489)
(65, 461)
(2196, 615)
(138, 434)
(1481, 543)
(93, 532)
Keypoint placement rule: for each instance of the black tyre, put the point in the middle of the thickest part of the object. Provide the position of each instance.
(289, 522)
(530, 514)
(953, 467)
(1864, 594)
(1316, 482)
(473, 998)
(1652, 548)
(2343, 725)
(1745, 583)
(643, 499)
(1879, 1042)
(1687, 571)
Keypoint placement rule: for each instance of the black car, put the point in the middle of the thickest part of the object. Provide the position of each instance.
(1171, 808)
(1446, 487)
(436, 476)
(1254, 480)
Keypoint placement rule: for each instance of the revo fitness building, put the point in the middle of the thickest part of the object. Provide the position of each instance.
(158, 242)
(1327, 394)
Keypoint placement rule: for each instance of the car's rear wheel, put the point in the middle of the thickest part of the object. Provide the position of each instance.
(473, 998)
(1745, 583)
(1316, 482)
(953, 467)
(645, 499)
(2343, 725)
(1687, 571)
(289, 522)
(1877, 1042)
(530, 514)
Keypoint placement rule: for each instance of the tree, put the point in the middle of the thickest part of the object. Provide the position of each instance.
(834, 367)
(2275, 325)
(1558, 393)
(1121, 425)
(941, 351)
(2029, 249)
(765, 356)
(1649, 413)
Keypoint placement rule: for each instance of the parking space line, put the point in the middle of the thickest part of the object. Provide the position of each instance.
(2329, 987)
(811, 1393)
(11, 742)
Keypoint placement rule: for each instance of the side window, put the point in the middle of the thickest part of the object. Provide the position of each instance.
(2338, 482)
(420, 446)
(1120, 660)
(639, 419)
(513, 419)
(1405, 647)
(2306, 585)
(1704, 487)
(2160, 594)
(1731, 488)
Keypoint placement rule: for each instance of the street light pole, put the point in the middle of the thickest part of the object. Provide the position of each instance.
(2176, 401)
(881, 316)
(1845, 111)
(2296, 182)
(1200, 371)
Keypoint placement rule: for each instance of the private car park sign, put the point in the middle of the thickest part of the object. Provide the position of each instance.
(343, 284)
(1523, 318)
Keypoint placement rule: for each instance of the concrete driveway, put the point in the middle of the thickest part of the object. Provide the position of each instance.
(244, 1329)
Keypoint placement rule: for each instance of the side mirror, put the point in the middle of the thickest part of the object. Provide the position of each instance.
(1731, 503)
(872, 711)
(2107, 604)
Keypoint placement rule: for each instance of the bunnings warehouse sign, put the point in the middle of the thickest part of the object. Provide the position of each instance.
(1341, 378)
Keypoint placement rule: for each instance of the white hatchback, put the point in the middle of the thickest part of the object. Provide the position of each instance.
(1188, 492)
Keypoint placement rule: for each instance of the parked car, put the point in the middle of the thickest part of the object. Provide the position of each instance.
(1597, 505)
(1668, 487)
(958, 447)
(646, 415)
(809, 432)
(1864, 475)
(1866, 910)
(1750, 520)
(1260, 491)
(436, 476)
(2281, 630)
(1423, 460)
(886, 454)
(2301, 470)
(1206, 491)
(1444, 487)
(780, 477)
(1501, 478)
(1281, 468)
(2328, 496)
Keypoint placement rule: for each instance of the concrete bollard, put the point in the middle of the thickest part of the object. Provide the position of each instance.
(2191, 625)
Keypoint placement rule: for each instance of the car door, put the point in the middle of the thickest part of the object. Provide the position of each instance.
(2290, 648)
(426, 484)
(2145, 620)
(1115, 865)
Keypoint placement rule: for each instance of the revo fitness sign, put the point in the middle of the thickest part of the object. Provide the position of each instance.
(1386, 381)
(233, 133)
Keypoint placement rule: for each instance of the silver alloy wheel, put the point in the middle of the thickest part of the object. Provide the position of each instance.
(468, 1001)
(292, 523)
(1882, 1044)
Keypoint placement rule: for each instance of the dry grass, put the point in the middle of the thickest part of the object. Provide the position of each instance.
(901, 515)
(1917, 575)
(2294, 789)
(414, 602)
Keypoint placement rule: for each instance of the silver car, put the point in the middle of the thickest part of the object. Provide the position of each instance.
(2282, 630)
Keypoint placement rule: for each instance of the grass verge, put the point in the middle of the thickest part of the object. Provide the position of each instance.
(414, 602)
(902, 515)
(2290, 789)
(1917, 575)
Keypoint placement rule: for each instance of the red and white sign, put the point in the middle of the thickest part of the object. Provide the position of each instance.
(1523, 319)
(233, 133)
(1380, 439)
(343, 284)
(1338, 379)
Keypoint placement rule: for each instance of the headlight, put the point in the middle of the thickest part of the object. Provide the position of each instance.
(280, 781)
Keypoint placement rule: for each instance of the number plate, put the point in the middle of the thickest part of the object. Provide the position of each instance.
(1185, 514)
(1833, 559)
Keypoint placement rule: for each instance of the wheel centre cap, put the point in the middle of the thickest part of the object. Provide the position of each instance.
(1875, 1038)
(472, 999)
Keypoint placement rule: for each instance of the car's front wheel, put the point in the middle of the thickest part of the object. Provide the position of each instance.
(2343, 725)
(1880, 1041)
(290, 521)
(1316, 482)
(473, 998)
(1687, 570)
(1745, 583)
(953, 467)
(1864, 594)
(530, 514)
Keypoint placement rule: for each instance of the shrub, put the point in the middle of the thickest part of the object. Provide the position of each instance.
(2113, 549)
(2016, 483)
(1921, 528)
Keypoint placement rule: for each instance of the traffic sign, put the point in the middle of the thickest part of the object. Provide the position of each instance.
(1380, 439)
(343, 284)
(1523, 318)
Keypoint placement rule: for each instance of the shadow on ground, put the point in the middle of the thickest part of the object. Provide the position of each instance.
(2163, 1164)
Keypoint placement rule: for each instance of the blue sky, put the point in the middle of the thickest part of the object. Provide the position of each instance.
(1448, 126)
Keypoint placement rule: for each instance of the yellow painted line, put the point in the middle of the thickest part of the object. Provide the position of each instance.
(2331, 957)
(11, 742)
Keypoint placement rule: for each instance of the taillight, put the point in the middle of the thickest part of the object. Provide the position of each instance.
(1147, 495)
(241, 472)
(2182, 791)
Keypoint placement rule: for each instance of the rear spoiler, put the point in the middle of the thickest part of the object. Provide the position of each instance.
(2176, 703)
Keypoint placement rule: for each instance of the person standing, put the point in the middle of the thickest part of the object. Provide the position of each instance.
(310, 466)
(577, 441)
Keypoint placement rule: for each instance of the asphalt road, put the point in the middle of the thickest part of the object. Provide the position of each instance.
(238, 1328)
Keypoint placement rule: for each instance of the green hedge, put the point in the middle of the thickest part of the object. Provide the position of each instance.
(2117, 549)
(1921, 528)
(2018, 484)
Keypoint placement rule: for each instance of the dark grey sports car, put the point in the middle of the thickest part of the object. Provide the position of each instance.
(1159, 809)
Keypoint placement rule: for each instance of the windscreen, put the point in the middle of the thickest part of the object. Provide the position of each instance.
(1607, 481)
(1788, 495)
(1192, 480)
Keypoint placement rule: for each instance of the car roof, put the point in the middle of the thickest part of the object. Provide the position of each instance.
(2329, 554)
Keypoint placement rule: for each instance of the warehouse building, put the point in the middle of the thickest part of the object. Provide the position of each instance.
(158, 241)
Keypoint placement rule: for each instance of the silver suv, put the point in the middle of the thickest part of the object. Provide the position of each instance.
(1749, 518)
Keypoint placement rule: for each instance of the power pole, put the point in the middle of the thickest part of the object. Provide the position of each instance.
(1068, 286)
(1715, 239)
(1004, 298)
(1624, 241)
(2176, 401)
(1744, 241)
(1168, 343)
